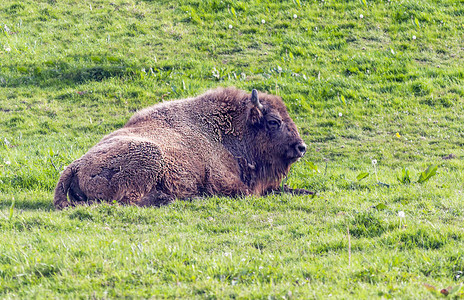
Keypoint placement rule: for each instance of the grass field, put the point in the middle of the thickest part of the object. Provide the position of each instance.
(365, 81)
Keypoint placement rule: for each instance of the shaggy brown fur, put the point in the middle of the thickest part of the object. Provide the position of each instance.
(225, 142)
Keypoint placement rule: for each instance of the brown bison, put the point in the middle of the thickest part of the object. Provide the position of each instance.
(225, 142)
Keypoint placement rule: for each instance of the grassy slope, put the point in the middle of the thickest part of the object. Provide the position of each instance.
(72, 71)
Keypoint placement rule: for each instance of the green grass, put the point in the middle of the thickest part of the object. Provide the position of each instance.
(359, 89)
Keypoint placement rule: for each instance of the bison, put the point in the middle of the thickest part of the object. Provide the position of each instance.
(225, 142)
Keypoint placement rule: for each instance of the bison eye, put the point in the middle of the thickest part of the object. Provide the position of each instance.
(273, 124)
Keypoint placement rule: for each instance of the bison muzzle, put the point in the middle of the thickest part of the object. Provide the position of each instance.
(225, 142)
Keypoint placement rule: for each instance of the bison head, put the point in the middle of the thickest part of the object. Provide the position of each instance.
(275, 135)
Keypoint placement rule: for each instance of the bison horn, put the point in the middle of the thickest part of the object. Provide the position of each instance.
(255, 100)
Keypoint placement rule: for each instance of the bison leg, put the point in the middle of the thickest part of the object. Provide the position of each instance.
(155, 198)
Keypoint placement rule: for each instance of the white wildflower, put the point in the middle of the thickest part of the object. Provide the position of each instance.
(7, 162)
(401, 214)
(295, 16)
(361, 16)
(340, 114)
(230, 26)
(263, 21)
(374, 162)
(7, 49)
(413, 37)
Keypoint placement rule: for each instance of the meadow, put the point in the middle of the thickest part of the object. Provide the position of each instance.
(376, 89)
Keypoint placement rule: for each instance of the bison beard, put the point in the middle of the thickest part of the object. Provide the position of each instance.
(225, 142)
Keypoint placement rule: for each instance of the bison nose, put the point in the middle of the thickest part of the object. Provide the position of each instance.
(301, 148)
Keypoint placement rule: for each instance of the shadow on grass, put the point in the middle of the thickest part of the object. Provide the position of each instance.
(59, 77)
(25, 204)
(75, 69)
(78, 69)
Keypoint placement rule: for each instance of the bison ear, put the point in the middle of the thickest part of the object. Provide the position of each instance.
(256, 111)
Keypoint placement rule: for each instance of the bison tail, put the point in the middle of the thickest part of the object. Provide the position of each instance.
(61, 191)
